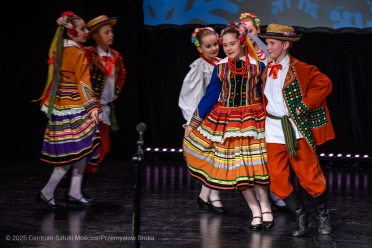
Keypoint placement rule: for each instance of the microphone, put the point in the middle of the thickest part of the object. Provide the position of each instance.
(137, 159)
(141, 127)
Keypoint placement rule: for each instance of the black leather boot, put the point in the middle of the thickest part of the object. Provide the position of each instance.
(297, 206)
(322, 213)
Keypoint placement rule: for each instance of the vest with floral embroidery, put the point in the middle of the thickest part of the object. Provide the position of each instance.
(315, 118)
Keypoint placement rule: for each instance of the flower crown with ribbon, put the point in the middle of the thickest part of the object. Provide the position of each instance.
(65, 22)
(240, 26)
(54, 61)
(195, 40)
(251, 15)
(243, 36)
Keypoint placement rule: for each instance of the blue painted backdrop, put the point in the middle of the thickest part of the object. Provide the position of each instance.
(304, 13)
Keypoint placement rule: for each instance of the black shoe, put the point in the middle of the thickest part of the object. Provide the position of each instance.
(268, 224)
(256, 227)
(202, 203)
(41, 197)
(71, 201)
(281, 209)
(214, 209)
(85, 196)
(276, 207)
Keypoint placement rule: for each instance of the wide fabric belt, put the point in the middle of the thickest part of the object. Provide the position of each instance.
(289, 133)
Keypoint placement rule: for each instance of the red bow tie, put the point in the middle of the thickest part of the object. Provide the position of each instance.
(109, 62)
(274, 70)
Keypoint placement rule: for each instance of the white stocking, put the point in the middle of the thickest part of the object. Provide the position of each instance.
(204, 193)
(55, 178)
(276, 200)
(254, 205)
(262, 193)
(76, 179)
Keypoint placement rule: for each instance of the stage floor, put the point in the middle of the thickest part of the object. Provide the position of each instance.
(169, 214)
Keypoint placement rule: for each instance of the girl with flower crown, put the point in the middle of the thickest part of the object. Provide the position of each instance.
(107, 78)
(193, 88)
(71, 137)
(252, 23)
(224, 142)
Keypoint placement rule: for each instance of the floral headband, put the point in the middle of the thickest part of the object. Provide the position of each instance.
(65, 22)
(240, 26)
(251, 15)
(194, 40)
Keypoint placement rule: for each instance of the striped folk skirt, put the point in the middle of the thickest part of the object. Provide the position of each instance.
(71, 134)
(228, 150)
(69, 138)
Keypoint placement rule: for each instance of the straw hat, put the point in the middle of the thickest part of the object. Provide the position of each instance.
(98, 22)
(280, 32)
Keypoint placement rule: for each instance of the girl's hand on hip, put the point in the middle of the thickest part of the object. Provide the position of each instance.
(188, 130)
(94, 115)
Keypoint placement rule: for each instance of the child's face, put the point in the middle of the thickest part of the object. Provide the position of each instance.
(231, 46)
(251, 28)
(82, 31)
(209, 46)
(105, 36)
(277, 49)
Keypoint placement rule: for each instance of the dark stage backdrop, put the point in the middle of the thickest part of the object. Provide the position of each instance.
(157, 59)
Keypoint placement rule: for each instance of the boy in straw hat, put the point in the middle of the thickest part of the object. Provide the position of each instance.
(297, 120)
(107, 76)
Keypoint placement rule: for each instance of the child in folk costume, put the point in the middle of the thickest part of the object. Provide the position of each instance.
(224, 143)
(193, 89)
(297, 120)
(252, 22)
(108, 77)
(71, 138)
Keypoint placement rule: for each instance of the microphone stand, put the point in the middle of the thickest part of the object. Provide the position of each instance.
(137, 159)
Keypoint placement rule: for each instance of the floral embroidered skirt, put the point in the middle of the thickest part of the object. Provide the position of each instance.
(228, 150)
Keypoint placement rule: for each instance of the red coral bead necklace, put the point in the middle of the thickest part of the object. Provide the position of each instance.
(239, 71)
